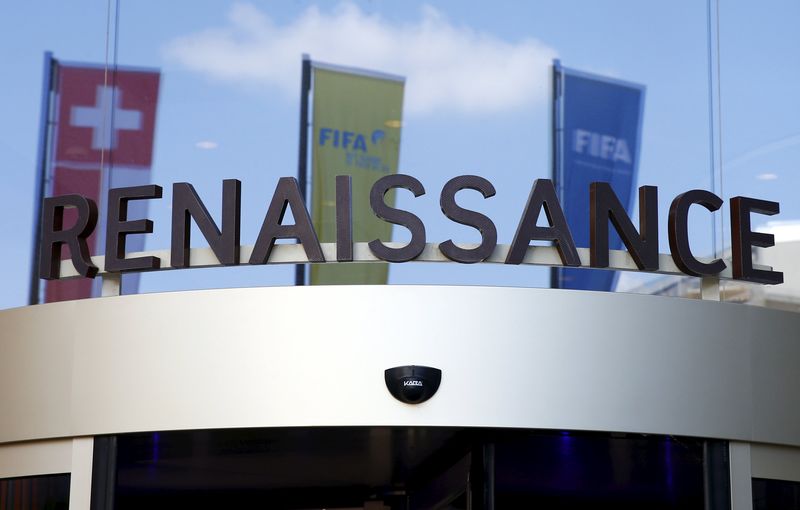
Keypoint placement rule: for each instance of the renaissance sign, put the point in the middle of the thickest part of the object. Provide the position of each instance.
(604, 206)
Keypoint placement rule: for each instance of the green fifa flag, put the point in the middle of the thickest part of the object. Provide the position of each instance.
(356, 131)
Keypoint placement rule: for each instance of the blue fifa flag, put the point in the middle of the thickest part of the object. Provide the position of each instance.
(597, 123)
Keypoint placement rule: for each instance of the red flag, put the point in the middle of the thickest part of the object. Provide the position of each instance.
(103, 136)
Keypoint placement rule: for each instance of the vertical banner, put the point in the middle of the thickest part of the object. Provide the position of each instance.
(357, 117)
(104, 124)
(597, 132)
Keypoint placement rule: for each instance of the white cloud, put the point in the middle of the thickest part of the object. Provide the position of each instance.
(785, 231)
(448, 68)
(206, 144)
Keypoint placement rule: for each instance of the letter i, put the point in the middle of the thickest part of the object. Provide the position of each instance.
(594, 149)
(344, 219)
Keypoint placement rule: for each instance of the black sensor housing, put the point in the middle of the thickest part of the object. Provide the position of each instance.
(412, 384)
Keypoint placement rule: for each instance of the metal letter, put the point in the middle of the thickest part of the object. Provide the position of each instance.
(186, 204)
(398, 217)
(543, 195)
(603, 206)
(118, 228)
(344, 219)
(53, 235)
(678, 228)
(744, 239)
(287, 193)
(483, 224)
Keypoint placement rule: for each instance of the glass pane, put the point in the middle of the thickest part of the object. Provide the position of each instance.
(406, 468)
(775, 494)
(571, 470)
(478, 100)
(760, 138)
(48, 492)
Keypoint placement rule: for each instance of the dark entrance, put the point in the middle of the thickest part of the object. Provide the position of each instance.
(402, 468)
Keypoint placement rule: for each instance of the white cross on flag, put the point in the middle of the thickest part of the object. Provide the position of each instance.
(100, 117)
(106, 115)
(103, 137)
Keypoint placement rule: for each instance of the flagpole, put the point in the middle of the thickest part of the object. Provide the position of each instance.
(41, 164)
(302, 159)
(555, 282)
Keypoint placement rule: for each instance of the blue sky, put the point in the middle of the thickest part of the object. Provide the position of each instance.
(477, 91)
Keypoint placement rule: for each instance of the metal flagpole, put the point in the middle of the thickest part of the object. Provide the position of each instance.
(41, 163)
(555, 282)
(302, 158)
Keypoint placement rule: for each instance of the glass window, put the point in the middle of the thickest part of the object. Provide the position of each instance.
(775, 494)
(407, 468)
(49, 492)
(184, 92)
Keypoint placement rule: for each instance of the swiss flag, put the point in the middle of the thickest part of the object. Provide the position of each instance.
(105, 122)
(109, 116)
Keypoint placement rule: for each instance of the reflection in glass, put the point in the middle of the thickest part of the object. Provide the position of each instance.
(407, 468)
(50, 492)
